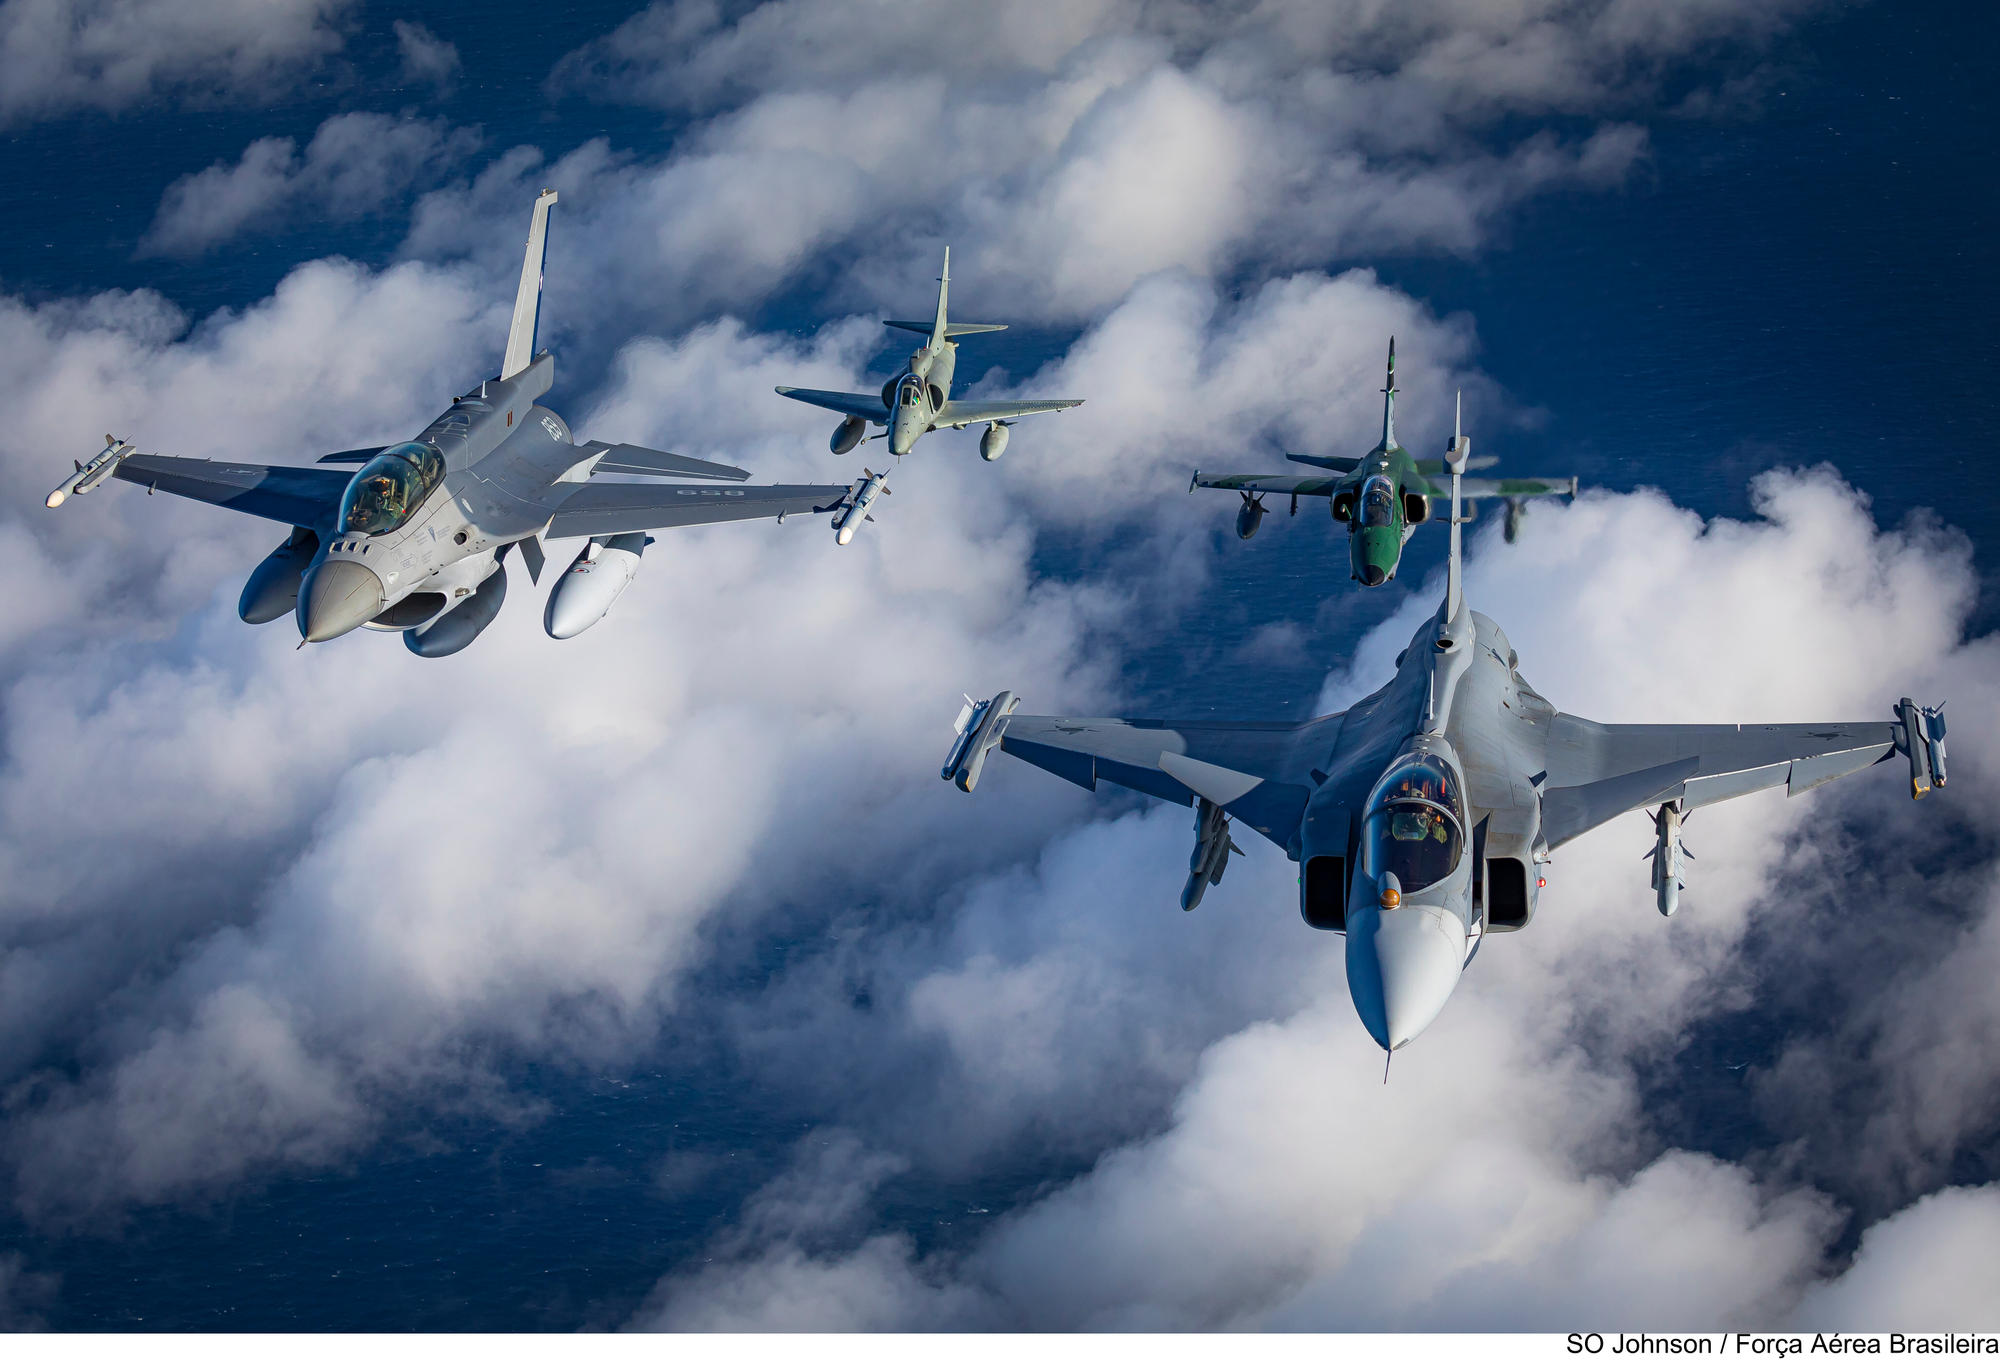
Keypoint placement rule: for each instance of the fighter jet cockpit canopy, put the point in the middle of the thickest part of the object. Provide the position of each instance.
(910, 390)
(389, 487)
(1378, 501)
(1416, 824)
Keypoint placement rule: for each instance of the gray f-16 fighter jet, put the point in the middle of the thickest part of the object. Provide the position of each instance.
(1423, 816)
(915, 402)
(1381, 496)
(415, 540)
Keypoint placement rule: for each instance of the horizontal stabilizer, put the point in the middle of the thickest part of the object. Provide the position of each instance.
(638, 461)
(951, 329)
(353, 455)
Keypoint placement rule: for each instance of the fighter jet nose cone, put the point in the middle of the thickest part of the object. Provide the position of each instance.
(1402, 965)
(338, 597)
(1372, 575)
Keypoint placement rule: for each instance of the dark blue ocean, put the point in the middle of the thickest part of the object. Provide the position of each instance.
(1814, 282)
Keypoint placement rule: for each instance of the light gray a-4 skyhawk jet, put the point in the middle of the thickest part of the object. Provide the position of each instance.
(915, 402)
(415, 541)
(1422, 817)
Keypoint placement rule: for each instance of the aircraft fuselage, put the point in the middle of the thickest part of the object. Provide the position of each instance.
(918, 393)
(502, 451)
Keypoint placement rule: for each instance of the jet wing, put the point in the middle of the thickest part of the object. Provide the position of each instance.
(959, 414)
(1599, 771)
(1486, 488)
(867, 405)
(623, 508)
(1241, 766)
(1280, 486)
(308, 497)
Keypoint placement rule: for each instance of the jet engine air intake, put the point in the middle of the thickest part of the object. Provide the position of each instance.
(1509, 904)
(1324, 839)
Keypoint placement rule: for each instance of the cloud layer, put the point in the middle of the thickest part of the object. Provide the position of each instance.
(356, 164)
(58, 56)
(351, 890)
(1512, 1173)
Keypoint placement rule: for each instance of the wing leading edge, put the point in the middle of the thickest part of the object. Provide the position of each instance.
(1274, 484)
(622, 508)
(1599, 771)
(957, 415)
(866, 405)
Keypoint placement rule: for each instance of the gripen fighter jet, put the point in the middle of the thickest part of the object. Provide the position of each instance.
(915, 402)
(415, 540)
(1423, 817)
(1382, 496)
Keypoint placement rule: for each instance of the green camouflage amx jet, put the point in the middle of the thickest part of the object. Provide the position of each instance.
(1382, 496)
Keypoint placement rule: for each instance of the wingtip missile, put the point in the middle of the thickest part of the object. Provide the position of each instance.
(849, 520)
(88, 476)
(1920, 737)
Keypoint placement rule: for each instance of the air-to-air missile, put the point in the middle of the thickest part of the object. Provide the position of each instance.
(88, 475)
(1212, 849)
(848, 519)
(1669, 875)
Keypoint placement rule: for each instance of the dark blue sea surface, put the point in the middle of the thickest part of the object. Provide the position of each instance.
(1812, 281)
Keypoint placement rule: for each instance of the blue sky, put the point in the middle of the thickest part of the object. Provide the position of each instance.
(314, 968)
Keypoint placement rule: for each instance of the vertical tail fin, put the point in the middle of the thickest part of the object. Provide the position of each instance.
(944, 287)
(522, 335)
(1454, 458)
(1389, 400)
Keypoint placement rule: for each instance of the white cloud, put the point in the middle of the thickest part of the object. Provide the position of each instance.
(57, 56)
(356, 164)
(1927, 1268)
(427, 58)
(1064, 160)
